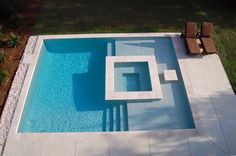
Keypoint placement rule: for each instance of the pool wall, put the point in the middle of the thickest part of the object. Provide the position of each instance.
(32, 60)
(132, 77)
(67, 90)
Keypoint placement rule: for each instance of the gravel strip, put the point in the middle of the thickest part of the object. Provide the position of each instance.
(14, 94)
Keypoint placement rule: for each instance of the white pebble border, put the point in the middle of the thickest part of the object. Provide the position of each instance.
(29, 48)
(14, 94)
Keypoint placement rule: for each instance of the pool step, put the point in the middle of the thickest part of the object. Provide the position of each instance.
(125, 117)
(117, 118)
(111, 119)
(134, 47)
(111, 48)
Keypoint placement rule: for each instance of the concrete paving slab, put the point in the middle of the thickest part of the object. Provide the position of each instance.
(59, 148)
(199, 68)
(229, 128)
(202, 146)
(202, 108)
(127, 144)
(225, 106)
(23, 148)
(164, 144)
(1, 149)
(93, 144)
(212, 130)
(170, 75)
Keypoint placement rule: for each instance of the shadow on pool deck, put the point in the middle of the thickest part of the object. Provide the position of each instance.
(70, 16)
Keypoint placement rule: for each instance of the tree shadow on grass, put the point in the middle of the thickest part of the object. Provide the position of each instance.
(70, 16)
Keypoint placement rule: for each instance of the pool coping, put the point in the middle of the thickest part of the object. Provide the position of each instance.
(28, 64)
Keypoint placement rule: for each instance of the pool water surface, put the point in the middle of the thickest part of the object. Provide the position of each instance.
(67, 91)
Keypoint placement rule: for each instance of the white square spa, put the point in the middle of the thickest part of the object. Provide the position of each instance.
(132, 78)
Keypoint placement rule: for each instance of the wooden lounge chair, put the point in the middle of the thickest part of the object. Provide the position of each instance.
(190, 36)
(206, 40)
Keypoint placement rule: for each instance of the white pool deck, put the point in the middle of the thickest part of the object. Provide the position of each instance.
(211, 98)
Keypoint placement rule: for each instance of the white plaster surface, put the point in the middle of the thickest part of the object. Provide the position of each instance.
(211, 98)
(170, 75)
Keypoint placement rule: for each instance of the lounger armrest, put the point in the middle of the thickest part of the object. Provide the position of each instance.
(182, 35)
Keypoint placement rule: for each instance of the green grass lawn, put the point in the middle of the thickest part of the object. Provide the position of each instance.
(104, 16)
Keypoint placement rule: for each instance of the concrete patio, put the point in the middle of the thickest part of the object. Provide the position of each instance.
(212, 102)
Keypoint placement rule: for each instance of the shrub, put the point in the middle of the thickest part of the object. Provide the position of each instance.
(14, 40)
(15, 21)
(7, 8)
(2, 57)
(3, 76)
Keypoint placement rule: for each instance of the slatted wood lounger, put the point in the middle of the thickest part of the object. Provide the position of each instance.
(190, 38)
(206, 40)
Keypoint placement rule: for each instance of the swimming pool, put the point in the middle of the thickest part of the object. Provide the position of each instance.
(67, 92)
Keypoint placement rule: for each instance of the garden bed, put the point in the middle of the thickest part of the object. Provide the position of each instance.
(26, 17)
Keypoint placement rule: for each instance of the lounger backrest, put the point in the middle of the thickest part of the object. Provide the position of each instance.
(206, 29)
(190, 29)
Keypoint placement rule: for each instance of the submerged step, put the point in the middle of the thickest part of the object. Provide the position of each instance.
(117, 119)
(111, 119)
(110, 48)
(125, 117)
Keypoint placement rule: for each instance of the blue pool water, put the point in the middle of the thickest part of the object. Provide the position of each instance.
(132, 77)
(67, 91)
(131, 82)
